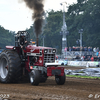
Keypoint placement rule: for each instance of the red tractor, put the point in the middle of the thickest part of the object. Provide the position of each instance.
(24, 57)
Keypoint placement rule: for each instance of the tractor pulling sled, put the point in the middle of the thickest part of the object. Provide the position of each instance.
(25, 58)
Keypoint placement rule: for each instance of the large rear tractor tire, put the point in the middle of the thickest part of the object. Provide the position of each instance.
(60, 80)
(10, 66)
(35, 77)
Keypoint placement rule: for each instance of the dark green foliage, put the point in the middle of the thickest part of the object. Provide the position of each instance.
(52, 30)
(85, 14)
(32, 33)
(6, 37)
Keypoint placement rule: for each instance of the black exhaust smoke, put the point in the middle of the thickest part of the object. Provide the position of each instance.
(37, 7)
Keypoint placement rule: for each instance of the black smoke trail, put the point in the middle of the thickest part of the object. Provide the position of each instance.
(37, 7)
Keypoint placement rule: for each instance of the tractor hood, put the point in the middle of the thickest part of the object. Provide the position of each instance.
(39, 50)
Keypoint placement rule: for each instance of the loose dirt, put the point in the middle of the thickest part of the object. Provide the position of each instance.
(73, 89)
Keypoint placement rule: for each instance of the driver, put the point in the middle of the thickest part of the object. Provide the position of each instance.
(23, 42)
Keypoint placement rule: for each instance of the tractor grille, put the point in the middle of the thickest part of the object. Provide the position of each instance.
(49, 58)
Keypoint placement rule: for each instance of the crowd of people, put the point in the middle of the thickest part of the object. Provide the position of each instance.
(95, 49)
(89, 57)
(86, 56)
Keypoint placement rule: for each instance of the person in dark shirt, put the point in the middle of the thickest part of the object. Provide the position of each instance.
(23, 42)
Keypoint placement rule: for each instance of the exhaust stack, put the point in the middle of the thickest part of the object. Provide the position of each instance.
(37, 6)
(37, 41)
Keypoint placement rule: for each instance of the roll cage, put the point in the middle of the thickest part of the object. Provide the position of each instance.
(19, 35)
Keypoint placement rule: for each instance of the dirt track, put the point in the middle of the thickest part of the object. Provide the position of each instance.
(73, 89)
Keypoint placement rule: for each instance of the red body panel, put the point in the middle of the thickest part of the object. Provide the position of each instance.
(50, 69)
(35, 49)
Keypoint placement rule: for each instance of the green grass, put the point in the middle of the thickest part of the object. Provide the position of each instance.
(81, 72)
(90, 77)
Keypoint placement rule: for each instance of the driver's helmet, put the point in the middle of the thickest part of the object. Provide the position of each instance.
(23, 34)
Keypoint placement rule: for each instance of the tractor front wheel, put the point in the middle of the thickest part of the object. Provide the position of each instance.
(60, 80)
(35, 77)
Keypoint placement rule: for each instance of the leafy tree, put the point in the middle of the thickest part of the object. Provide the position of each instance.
(82, 15)
(85, 14)
(52, 30)
(6, 37)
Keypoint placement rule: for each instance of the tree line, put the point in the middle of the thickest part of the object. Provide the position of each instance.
(6, 37)
(82, 15)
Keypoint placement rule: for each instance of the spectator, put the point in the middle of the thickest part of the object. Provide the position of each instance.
(94, 49)
(89, 49)
(78, 48)
(97, 49)
(92, 58)
(82, 48)
(73, 48)
(97, 53)
(77, 57)
(89, 58)
(99, 56)
(70, 49)
(85, 48)
(82, 58)
(56, 57)
(67, 49)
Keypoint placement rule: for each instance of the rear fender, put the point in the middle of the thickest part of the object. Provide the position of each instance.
(10, 47)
